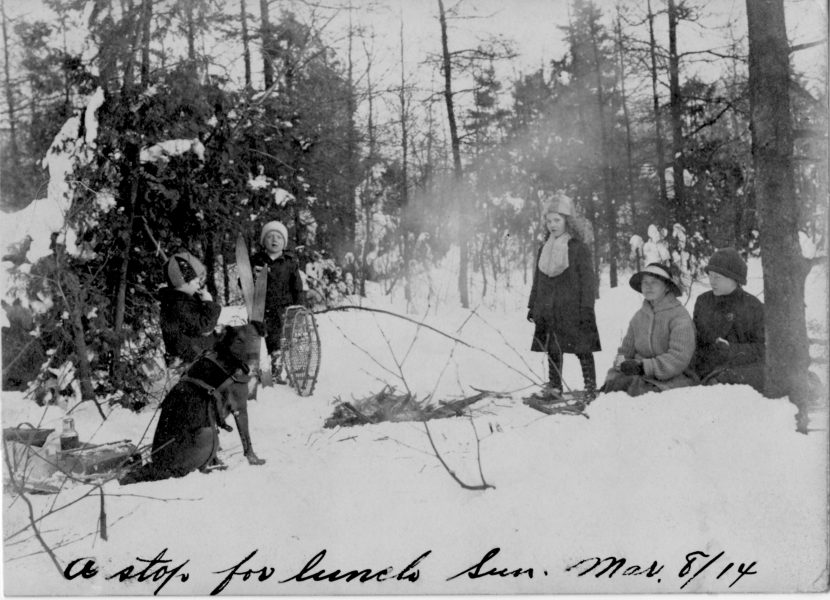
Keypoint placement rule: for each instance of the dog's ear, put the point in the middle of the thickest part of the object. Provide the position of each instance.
(260, 328)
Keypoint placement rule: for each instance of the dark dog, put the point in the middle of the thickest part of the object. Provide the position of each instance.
(213, 386)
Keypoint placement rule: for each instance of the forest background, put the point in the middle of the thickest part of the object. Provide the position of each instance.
(406, 136)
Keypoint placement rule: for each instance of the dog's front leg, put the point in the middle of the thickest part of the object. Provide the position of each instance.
(240, 415)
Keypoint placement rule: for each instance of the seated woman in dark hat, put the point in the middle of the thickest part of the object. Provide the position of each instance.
(657, 349)
(730, 326)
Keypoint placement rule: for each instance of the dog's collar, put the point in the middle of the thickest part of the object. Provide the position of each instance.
(239, 376)
(216, 392)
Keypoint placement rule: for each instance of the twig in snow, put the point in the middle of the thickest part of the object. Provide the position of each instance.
(478, 448)
(482, 486)
(367, 353)
(19, 488)
(504, 339)
(414, 338)
(398, 363)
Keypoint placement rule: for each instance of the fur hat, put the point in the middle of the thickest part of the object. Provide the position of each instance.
(728, 262)
(273, 226)
(183, 268)
(660, 271)
(560, 203)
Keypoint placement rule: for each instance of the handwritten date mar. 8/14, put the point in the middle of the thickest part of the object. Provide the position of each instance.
(712, 570)
(697, 564)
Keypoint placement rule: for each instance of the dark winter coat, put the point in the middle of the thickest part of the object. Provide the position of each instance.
(739, 319)
(285, 288)
(562, 307)
(187, 323)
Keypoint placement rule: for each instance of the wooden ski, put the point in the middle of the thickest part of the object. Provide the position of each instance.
(253, 293)
(246, 277)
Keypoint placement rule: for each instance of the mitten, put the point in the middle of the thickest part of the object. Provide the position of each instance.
(632, 367)
(722, 348)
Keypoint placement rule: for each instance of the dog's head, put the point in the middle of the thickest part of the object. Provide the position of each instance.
(238, 343)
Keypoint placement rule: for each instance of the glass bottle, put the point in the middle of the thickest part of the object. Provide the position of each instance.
(69, 437)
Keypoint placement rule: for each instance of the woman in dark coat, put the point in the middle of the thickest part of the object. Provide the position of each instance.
(188, 312)
(730, 326)
(561, 301)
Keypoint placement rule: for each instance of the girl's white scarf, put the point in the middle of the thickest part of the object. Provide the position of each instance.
(554, 257)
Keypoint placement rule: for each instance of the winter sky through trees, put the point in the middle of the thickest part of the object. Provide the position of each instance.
(532, 28)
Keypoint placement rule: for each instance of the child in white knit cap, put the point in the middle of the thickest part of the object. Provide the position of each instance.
(285, 287)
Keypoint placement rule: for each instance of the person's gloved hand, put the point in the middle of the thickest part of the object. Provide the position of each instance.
(632, 367)
(722, 348)
(530, 316)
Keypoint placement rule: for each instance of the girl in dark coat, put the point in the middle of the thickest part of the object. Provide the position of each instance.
(285, 287)
(188, 312)
(730, 326)
(561, 301)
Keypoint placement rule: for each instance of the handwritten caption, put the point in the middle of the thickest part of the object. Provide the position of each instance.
(160, 569)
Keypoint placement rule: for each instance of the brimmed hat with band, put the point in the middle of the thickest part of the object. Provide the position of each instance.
(661, 272)
(183, 268)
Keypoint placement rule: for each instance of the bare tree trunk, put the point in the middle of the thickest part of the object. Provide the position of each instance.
(482, 266)
(129, 76)
(76, 306)
(129, 188)
(246, 43)
(350, 217)
(785, 269)
(607, 172)
(146, 17)
(675, 104)
(627, 118)
(367, 198)
(658, 126)
(191, 32)
(14, 153)
(226, 279)
(405, 220)
(267, 65)
(455, 143)
(208, 243)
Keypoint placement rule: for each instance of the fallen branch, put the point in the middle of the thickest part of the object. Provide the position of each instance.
(431, 328)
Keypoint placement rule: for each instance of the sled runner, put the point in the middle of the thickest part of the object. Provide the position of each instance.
(300, 344)
(567, 403)
(253, 293)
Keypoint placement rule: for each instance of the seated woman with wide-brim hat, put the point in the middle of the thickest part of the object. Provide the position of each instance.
(657, 349)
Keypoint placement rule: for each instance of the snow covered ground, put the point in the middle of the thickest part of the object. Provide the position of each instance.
(698, 489)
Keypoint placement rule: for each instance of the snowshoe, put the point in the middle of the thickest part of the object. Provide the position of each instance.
(546, 393)
(569, 403)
